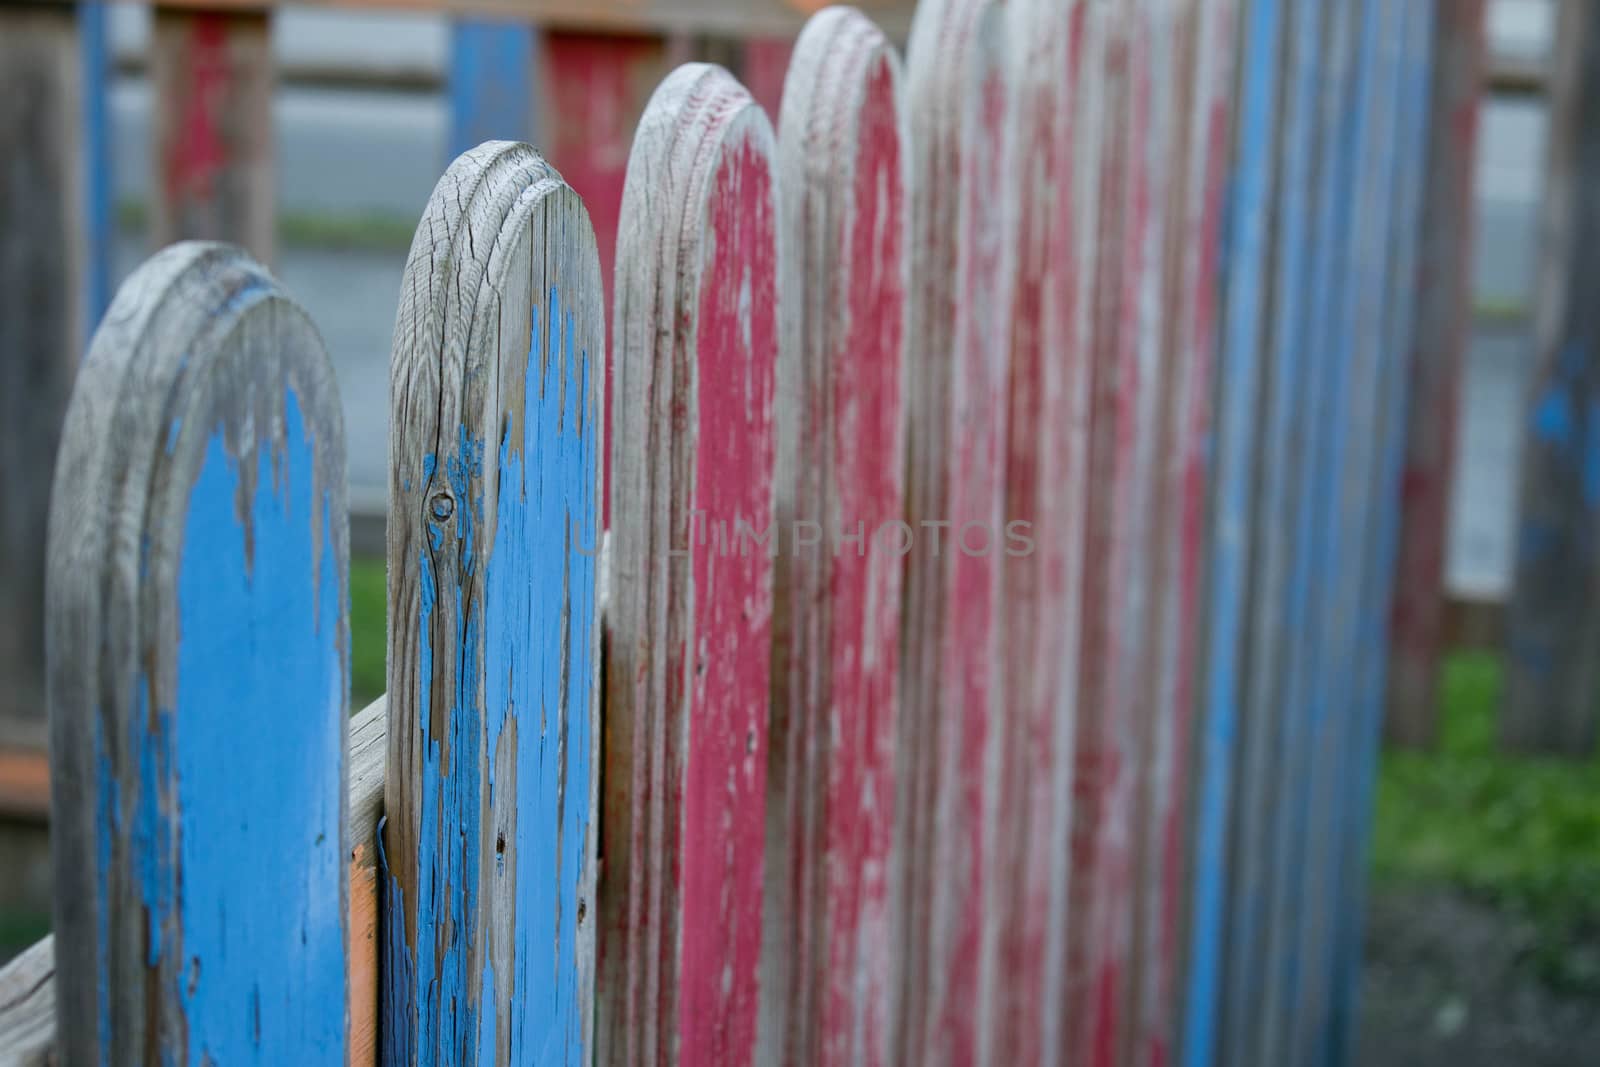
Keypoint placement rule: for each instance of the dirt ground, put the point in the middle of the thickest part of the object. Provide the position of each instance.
(1452, 981)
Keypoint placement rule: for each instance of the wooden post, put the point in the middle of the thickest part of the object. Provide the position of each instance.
(494, 633)
(1114, 596)
(491, 83)
(1443, 299)
(198, 632)
(41, 253)
(689, 639)
(212, 77)
(1352, 462)
(1416, 35)
(1055, 180)
(962, 241)
(827, 972)
(1552, 695)
(1260, 382)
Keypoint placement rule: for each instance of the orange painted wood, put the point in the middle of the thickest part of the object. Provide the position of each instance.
(842, 154)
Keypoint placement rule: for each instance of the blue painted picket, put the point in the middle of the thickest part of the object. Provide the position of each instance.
(198, 660)
(491, 82)
(494, 649)
(1246, 253)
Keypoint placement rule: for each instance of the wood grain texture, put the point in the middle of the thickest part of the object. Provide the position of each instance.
(1553, 625)
(1115, 595)
(198, 644)
(212, 75)
(493, 639)
(28, 1007)
(689, 639)
(27, 983)
(827, 969)
(1444, 300)
(41, 329)
(1055, 179)
(963, 250)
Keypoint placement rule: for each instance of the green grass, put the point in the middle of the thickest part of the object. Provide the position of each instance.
(368, 588)
(1522, 833)
(366, 231)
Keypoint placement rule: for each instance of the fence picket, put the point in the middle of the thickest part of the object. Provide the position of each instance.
(689, 632)
(493, 643)
(198, 658)
(826, 971)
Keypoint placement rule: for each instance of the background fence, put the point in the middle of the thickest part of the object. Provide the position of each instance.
(1168, 330)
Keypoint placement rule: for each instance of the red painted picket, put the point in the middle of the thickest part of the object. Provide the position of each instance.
(689, 628)
(827, 972)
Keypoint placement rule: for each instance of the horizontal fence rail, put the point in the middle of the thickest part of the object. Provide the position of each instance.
(945, 622)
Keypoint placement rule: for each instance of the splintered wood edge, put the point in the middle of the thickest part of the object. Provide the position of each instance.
(28, 983)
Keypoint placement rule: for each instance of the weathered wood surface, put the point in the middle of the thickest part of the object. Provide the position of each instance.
(1115, 593)
(27, 983)
(491, 82)
(28, 1007)
(1053, 50)
(1417, 58)
(1347, 518)
(490, 835)
(1205, 39)
(962, 241)
(1443, 297)
(211, 73)
(688, 642)
(41, 332)
(1256, 392)
(1265, 1001)
(1552, 691)
(827, 968)
(740, 18)
(198, 643)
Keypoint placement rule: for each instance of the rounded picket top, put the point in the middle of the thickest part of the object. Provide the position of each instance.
(843, 152)
(198, 657)
(689, 622)
(494, 627)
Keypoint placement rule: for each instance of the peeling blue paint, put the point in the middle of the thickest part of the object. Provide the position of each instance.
(253, 901)
(1552, 417)
(537, 682)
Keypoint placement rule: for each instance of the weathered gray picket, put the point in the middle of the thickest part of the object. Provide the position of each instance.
(490, 830)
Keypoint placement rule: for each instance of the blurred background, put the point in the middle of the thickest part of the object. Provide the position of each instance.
(1484, 926)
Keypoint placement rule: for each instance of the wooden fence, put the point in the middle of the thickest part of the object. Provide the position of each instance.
(985, 656)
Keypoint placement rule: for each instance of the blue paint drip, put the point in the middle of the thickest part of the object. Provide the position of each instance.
(256, 742)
